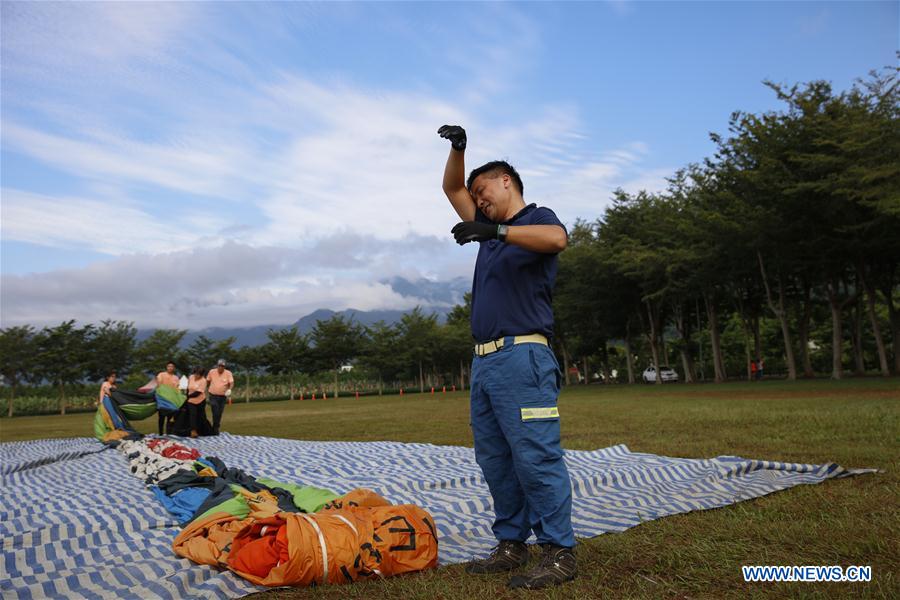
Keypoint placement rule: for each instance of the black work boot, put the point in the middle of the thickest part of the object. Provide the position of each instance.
(557, 566)
(506, 556)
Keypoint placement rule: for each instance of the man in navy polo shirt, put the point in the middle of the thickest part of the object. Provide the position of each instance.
(515, 376)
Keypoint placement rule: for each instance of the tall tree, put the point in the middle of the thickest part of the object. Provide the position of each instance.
(637, 229)
(62, 356)
(162, 346)
(224, 349)
(337, 341)
(200, 353)
(247, 359)
(204, 351)
(869, 178)
(17, 358)
(111, 348)
(453, 349)
(719, 227)
(418, 333)
(593, 301)
(831, 137)
(754, 161)
(458, 337)
(381, 352)
(286, 353)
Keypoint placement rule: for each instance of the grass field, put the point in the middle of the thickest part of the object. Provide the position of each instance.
(855, 521)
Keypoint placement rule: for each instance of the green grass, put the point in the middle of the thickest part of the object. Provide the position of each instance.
(855, 423)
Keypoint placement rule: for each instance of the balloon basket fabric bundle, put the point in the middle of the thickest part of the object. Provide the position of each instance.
(359, 536)
(112, 422)
(280, 534)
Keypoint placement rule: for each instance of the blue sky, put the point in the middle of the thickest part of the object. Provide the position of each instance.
(199, 164)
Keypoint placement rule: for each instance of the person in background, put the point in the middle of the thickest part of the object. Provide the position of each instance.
(196, 397)
(220, 383)
(753, 370)
(167, 377)
(108, 385)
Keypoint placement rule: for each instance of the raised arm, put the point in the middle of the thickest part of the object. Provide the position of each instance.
(454, 184)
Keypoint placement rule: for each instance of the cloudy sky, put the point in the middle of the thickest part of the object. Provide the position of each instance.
(229, 164)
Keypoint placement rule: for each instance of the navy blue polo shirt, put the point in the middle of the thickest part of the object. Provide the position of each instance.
(513, 288)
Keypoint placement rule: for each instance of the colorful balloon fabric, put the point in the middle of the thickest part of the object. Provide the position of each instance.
(274, 533)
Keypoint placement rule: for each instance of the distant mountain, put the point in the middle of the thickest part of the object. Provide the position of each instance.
(246, 336)
(255, 336)
(434, 296)
(363, 317)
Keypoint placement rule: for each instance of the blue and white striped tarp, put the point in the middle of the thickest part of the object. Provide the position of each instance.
(76, 524)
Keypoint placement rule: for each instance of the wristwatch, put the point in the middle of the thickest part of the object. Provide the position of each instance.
(502, 230)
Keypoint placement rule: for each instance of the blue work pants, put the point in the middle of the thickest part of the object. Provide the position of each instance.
(515, 425)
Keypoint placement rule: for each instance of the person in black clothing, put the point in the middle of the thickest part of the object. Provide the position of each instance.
(196, 400)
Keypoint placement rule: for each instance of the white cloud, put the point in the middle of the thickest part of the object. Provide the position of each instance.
(327, 186)
(493, 50)
(294, 158)
(362, 160)
(53, 41)
(599, 171)
(654, 180)
(102, 224)
(204, 167)
(233, 284)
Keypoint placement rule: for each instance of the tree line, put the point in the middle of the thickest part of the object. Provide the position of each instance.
(794, 220)
(417, 347)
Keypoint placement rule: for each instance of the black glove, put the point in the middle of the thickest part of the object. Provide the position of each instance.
(456, 135)
(472, 231)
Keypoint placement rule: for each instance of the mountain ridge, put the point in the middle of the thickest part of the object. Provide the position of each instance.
(438, 297)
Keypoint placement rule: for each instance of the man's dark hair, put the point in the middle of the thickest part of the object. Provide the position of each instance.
(496, 168)
(110, 373)
(171, 362)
